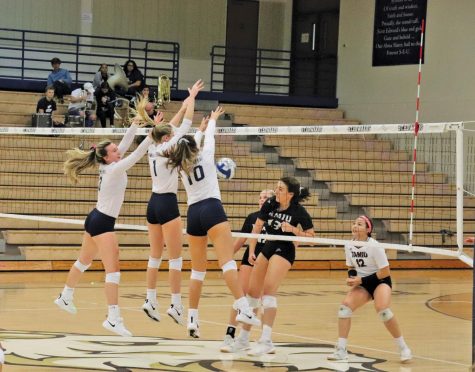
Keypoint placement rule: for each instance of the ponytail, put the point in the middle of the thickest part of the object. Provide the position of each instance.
(293, 185)
(183, 155)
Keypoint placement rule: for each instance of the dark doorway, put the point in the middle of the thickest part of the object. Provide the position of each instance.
(241, 44)
(314, 48)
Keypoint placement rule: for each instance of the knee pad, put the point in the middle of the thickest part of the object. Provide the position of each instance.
(80, 266)
(386, 315)
(175, 264)
(154, 263)
(230, 265)
(198, 275)
(269, 302)
(344, 312)
(253, 302)
(113, 278)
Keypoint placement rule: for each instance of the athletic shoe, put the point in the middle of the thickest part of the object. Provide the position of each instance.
(151, 310)
(228, 341)
(406, 355)
(261, 348)
(193, 328)
(176, 313)
(339, 355)
(118, 327)
(247, 316)
(236, 346)
(66, 305)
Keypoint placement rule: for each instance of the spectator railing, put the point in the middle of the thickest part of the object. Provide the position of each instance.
(272, 71)
(26, 55)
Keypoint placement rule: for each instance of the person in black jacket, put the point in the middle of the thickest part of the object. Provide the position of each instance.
(105, 106)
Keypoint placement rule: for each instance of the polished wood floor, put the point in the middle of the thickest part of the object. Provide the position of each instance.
(433, 308)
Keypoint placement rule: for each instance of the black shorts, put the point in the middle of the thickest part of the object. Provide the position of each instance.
(203, 215)
(98, 223)
(245, 256)
(162, 208)
(372, 288)
(286, 251)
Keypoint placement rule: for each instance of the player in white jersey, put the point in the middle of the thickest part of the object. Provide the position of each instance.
(246, 267)
(206, 218)
(163, 216)
(369, 278)
(2, 357)
(99, 225)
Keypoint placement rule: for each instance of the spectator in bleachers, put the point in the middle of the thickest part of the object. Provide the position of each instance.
(105, 106)
(101, 76)
(136, 79)
(81, 104)
(60, 79)
(47, 105)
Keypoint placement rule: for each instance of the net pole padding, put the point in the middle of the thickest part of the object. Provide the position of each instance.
(459, 180)
(416, 132)
(313, 241)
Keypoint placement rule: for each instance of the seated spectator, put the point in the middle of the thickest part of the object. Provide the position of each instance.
(47, 105)
(145, 93)
(136, 79)
(60, 79)
(105, 106)
(101, 76)
(81, 103)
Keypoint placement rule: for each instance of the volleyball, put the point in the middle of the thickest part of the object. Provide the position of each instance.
(225, 168)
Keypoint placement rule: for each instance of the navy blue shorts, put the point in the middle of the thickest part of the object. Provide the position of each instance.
(162, 208)
(282, 249)
(372, 288)
(203, 215)
(98, 223)
(245, 256)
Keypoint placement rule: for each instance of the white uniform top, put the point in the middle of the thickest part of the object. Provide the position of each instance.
(113, 176)
(202, 182)
(81, 104)
(165, 179)
(366, 260)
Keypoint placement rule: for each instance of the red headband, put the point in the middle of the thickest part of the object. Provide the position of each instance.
(368, 222)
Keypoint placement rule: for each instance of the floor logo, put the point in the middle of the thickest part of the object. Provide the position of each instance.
(113, 353)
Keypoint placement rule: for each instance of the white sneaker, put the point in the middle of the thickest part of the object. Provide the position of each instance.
(247, 316)
(228, 341)
(193, 328)
(406, 355)
(176, 313)
(118, 327)
(66, 305)
(339, 355)
(236, 346)
(261, 348)
(151, 310)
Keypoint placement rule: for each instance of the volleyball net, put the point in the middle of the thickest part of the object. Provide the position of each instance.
(350, 170)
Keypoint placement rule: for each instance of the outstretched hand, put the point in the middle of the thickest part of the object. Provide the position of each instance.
(217, 113)
(195, 89)
(204, 123)
(158, 118)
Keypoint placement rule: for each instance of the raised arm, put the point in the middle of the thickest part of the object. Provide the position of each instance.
(209, 143)
(201, 129)
(128, 138)
(134, 157)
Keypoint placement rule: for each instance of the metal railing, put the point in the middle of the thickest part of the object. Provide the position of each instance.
(272, 68)
(26, 55)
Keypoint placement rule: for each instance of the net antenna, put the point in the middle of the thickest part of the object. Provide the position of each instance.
(416, 132)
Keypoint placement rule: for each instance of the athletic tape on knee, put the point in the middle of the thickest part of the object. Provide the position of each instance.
(344, 312)
(386, 315)
(253, 302)
(175, 264)
(269, 302)
(80, 266)
(230, 265)
(154, 263)
(113, 278)
(198, 275)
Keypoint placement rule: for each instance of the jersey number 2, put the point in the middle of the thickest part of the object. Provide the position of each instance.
(198, 174)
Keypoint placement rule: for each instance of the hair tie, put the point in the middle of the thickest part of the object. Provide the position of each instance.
(300, 190)
(368, 222)
(183, 139)
(93, 147)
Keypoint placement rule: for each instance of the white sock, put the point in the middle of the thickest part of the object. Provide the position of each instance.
(114, 313)
(192, 313)
(266, 333)
(341, 343)
(176, 299)
(67, 293)
(152, 295)
(400, 342)
(244, 335)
